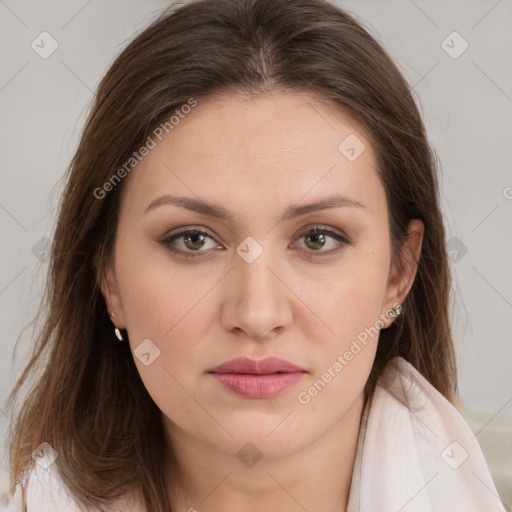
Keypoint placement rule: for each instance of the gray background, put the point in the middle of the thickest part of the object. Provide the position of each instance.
(466, 103)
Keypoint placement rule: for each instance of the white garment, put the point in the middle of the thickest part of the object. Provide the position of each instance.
(415, 453)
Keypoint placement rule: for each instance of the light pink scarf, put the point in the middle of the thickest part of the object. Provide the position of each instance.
(416, 453)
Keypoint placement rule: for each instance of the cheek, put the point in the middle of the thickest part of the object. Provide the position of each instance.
(173, 310)
(354, 303)
(343, 355)
(348, 299)
(158, 295)
(350, 309)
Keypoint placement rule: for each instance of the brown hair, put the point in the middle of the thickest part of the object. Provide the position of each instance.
(90, 404)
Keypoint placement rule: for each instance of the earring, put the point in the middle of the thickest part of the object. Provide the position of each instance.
(396, 311)
(117, 331)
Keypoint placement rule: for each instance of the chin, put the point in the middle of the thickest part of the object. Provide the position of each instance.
(267, 439)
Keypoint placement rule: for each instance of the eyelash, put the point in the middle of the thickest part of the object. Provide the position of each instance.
(317, 230)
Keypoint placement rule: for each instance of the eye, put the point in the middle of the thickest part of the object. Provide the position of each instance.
(317, 238)
(193, 240)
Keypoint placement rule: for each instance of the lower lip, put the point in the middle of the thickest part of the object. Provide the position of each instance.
(258, 386)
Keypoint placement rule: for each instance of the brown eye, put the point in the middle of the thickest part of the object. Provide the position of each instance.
(192, 241)
(317, 239)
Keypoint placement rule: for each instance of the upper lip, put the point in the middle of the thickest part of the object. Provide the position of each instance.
(261, 367)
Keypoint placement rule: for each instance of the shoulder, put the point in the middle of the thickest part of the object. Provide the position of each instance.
(42, 489)
(409, 398)
(9, 501)
(415, 434)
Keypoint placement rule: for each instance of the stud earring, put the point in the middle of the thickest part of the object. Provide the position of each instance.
(396, 311)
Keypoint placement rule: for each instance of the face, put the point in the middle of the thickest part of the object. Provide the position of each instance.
(269, 278)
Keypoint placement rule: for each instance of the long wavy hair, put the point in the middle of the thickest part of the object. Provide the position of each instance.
(89, 402)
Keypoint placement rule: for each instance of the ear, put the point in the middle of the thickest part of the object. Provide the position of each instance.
(110, 292)
(402, 273)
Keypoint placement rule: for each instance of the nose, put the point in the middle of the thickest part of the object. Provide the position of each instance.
(256, 300)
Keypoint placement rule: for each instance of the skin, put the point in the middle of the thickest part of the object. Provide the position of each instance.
(246, 155)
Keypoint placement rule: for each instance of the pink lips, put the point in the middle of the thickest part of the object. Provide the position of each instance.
(257, 379)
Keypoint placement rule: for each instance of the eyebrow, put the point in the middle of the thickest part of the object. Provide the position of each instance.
(219, 212)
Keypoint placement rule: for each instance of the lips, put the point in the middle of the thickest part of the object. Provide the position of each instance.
(257, 379)
(262, 367)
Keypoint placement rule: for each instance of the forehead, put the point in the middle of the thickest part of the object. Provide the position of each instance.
(279, 146)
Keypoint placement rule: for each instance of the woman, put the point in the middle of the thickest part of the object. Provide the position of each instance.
(304, 360)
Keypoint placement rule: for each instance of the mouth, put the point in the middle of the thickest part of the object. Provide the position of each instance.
(257, 379)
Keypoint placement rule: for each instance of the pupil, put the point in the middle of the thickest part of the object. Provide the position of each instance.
(317, 239)
(193, 235)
